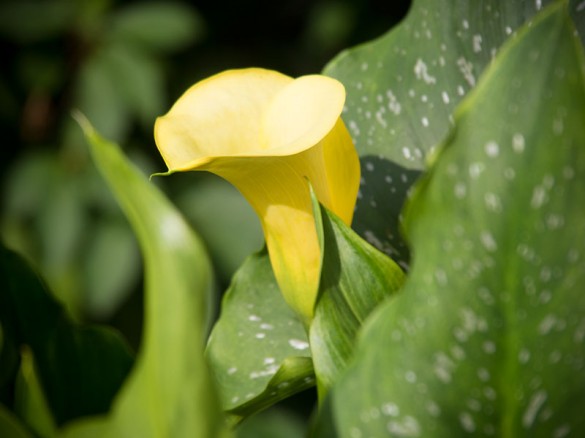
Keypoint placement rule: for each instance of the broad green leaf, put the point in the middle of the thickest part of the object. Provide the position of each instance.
(157, 25)
(401, 91)
(10, 425)
(258, 350)
(487, 338)
(355, 278)
(169, 392)
(80, 368)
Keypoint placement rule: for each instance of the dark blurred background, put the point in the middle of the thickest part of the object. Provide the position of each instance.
(123, 63)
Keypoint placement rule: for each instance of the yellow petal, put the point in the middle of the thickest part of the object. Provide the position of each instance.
(302, 114)
(270, 147)
(219, 116)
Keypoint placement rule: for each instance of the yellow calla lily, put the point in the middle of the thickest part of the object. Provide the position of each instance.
(270, 135)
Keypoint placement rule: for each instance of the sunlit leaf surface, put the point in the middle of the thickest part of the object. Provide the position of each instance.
(402, 89)
(488, 336)
(169, 392)
(258, 350)
(355, 278)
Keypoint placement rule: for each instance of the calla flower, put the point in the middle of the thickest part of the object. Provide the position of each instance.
(270, 136)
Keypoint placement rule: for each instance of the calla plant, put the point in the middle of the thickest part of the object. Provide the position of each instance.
(271, 136)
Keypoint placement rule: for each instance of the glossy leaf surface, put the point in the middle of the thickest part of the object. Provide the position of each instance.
(258, 350)
(488, 336)
(170, 391)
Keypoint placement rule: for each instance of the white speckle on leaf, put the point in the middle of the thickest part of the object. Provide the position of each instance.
(476, 169)
(390, 409)
(465, 24)
(457, 352)
(254, 318)
(547, 324)
(536, 401)
(266, 326)
(424, 121)
(466, 69)
(393, 104)
(477, 43)
(538, 197)
(408, 427)
(231, 370)
(483, 374)
(460, 190)
(562, 431)
(489, 347)
(260, 335)
(493, 202)
(488, 241)
(433, 408)
(443, 367)
(445, 97)
(489, 393)
(492, 149)
(467, 422)
(421, 72)
(410, 376)
(269, 371)
(524, 355)
(518, 143)
(298, 344)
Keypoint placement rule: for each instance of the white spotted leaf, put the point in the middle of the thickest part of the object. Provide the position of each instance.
(258, 350)
(402, 89)
(487, 337)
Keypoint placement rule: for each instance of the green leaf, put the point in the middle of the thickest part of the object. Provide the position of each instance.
(169, 392)
(10, 426)
(487, 338)
(163, 26)
(355, 278)
(401, 91)
(29, 400)
(258, 350)
(71, 359)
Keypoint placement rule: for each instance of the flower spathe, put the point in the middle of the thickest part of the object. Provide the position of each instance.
(270, 135)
